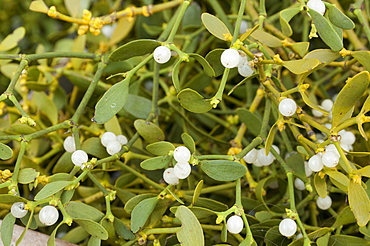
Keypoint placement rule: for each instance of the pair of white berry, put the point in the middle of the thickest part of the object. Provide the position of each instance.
(182, 168)
(327, 105)
(330, 158)
(112, 142)
(78, 156)
(48, 215)
(259, 158)
(231, 58)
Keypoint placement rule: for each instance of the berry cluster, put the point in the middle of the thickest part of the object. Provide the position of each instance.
(326, 104)
(78, 156)
(113, 143)
(231, 58)
(259, 158)
(182, 168)
(235, 224)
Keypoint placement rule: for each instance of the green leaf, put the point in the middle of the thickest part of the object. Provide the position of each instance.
(337, 18)
(192, 101)
(149, 131)
(175, 75)
(93, 146)
(112, 101)
(5, 152)
(191, 233)
(323, 55)
(326, 31)
(64, 164)
(311, 104)
(250, 120)
(138, 106)
(345, 240)
(296, 162)
(300, 48)
(76, 235)
(123, 28)
(155, 163)
(266, 38)
(8, 198)
(122, 230)
(27, 175)
(359, 203)
(7, 226)
(215, 26)
(141, 213)
(345, 217)
(214, 59)
(39, 6)
(94, 241)
(301, 66)
(285, 16)
(79, 210)
(160, 148)
(202, 61)
(366, 106)
(365, 171)
(188, 142)
(191, 19)
(348, 96)
(207, 203)
(46, 106)
(363, 57)
(324, 240)
(320, 185)
(270, 138)
(273, 235)
(197, 192)
(223, 170)
(93, 228)
(340, 180)
(130, 204)
(113, 125)
(11, 41)
(51, 188)
(134, 48)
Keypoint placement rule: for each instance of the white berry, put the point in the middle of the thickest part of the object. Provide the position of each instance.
(245, 69)
(78, 157)
(323, 203)
(230, 58)
(182, 170)
(287, 107)
(330, 159)
(287, 227)
(113, 147)
(69, 144)
(327, 104)
(122, 139)
(182, 154)
(162, 54)
(107, 137)
(251, 156)
(307, 169)
(315, 163)
(348, 138)
(235, 224)
(48, 215)
(18, 210)
(170, 177)
(265, 159)
(257, 163)
(317, 5)
(332, 148)
(317, 113)
(299, 184)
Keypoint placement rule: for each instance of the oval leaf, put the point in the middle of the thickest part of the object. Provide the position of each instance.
(93, 228)
(345, 217)
(192, 101)
(215, 26)
(188, 142)
(285, 16)
(326, 31)
(51, 188)
(122, 230)
(149, 131)
(93, 146)
(206, 66)
(112, 101)
(141, 213)
(320, 185)
(79, 210)
(27, 175)
(301, 66)
(11, 41)
(250, 120)
(155, 163)
(160, 148)
(359, 203)
(223, 170)
(7, 226)
(348, 97)
(191, 232)
(139, 107)
(134, 48)
(214, 59)
(362, 57)
(266, 38)
(338, 18)
(5, 152)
